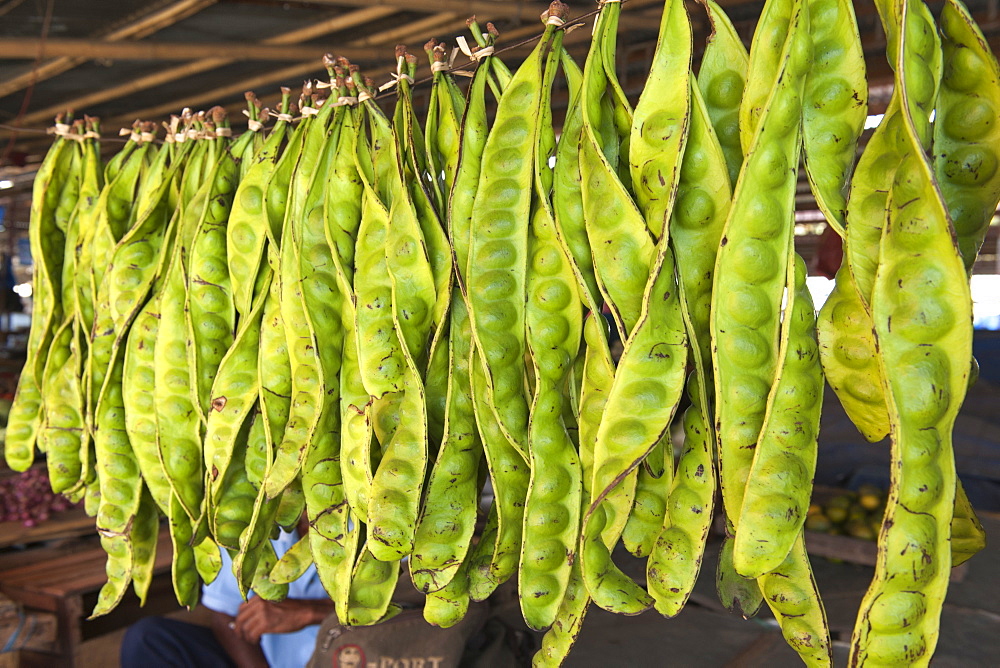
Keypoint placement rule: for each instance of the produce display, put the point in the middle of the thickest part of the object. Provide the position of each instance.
(856, 514)
(365, 317)
(27, 498)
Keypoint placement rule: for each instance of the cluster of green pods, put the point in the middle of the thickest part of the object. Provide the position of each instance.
(402, 330)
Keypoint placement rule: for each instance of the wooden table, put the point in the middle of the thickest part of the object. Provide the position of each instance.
(66, 524)
(67, 585)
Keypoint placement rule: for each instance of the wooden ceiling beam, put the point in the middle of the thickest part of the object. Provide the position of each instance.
(489, 11)
(28, 47)
(141, 27)
(378, 44)
(334, 24)
(338, 23)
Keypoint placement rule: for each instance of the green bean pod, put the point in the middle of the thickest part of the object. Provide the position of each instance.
(394, 499)
(703, 195)
(659, 131)
(305, 269)
(497, 267)
(372, 585)
(447, 520)
(118, 570)
(396, 487)
(235, 392)
(258, 453)
(180, 445)
(736, 593)
(308, 384)
(210, 315)
(207, 560)
(261, 583)
(115, 164)
(722, 80)
(246, 231)
(432, 359)
(134, 260)
(291, 505)
(63, 427)
(659, 136)
(558, 640)
(342, 204)
(642, 401)
(764, 66)
(567, 199)
(751, 269)
(553, 317)
(850, 359)
(273, 368)
(380, 356)
(145, 534)
(649, 508)
(510, 475)
(90, 195)
(447, 606)
(182, 568)
(120, 484)
(255, 557)
(790, 591)
(327, 294)
(616, 118)
(598, 376)
(443, 126)
(867, 202)
(921, 307)
(293, 563)
(966, 139)
(482, 582)
(117, 207)
(230, 506)
(274, 365)
(46, 242)
(356, 431)
(332, 538)
(835, 106)
(76, 278)
(967, 534)
(138, 381)
(675, 558)
(779, 484)
(623, 249)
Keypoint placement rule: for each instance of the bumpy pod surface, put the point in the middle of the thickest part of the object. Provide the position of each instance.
(779, 484)
(722, 80)
(751, 270)
(966, 134)
(921, 308)
(835, 105)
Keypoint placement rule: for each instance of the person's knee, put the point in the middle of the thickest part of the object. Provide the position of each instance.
(142, 640)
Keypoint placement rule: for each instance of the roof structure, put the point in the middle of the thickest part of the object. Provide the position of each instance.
(146, 59)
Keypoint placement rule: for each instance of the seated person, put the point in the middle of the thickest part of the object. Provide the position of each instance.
(249, 634)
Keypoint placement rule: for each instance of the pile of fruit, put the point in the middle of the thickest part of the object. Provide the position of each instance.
(28, 498)
(363, 317)
(856, 514)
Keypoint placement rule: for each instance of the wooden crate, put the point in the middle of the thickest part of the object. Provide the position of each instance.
(30, 631)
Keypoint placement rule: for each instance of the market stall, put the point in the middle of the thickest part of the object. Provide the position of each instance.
(524, 330)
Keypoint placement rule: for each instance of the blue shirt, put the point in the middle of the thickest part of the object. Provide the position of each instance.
(282, 650)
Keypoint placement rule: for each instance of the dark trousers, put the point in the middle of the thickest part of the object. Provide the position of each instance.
(155, 642)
